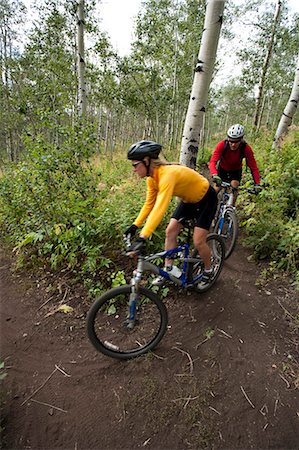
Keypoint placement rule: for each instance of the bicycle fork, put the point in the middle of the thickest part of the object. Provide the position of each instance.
(222, 220)
(132, 306)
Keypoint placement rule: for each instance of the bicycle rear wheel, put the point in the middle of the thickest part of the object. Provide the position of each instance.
(107, 323)
(229, 231)
(217, 249)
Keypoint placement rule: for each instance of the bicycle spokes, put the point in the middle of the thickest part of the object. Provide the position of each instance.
(129, 328)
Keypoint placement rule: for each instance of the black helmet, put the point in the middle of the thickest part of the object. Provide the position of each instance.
(141, 149)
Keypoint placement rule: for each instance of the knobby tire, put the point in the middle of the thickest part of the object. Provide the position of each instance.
(229, 231)
(106, 323)
(217, 248)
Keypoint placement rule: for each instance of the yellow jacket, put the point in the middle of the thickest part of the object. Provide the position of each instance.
(169, 181)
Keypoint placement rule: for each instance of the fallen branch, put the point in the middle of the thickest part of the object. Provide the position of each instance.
(50, 406)
(215, 410)
(47, 301)
(247, 398)
(65, 294)
(187, 399)
(264, 410)
(225, 334)
(286, 381)
(38, 389)
(157, 356)
(286, 311)
(62, 371)
(202, 342)
(188, 356)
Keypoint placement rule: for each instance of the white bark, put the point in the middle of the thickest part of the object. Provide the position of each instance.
(259, 100)
(82, 101)
(201, 82)
(289, 111)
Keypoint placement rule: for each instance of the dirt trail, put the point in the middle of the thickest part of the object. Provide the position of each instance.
(224, 377)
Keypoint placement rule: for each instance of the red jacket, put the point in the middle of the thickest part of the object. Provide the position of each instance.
(232, 160)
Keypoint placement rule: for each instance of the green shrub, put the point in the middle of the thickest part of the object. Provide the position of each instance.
(271, 219)
(67, 209)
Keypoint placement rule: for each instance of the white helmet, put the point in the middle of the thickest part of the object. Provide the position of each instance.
(236, 131)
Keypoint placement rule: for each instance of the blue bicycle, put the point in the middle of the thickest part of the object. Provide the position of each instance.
(130, 320)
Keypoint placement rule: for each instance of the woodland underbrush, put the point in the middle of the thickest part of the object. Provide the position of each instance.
(67, 209)
(271, 218)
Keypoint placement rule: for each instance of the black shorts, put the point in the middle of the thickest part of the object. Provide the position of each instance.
(228, 176)
(203, 211)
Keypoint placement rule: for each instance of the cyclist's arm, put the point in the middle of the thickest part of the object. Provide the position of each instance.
(216, 157)
(163, 199)
(251, 163)
(151, 195)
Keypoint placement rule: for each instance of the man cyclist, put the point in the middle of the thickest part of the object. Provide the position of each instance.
(226, 161)
(164, 181)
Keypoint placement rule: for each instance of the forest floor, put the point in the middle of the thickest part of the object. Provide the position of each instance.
(225, 376)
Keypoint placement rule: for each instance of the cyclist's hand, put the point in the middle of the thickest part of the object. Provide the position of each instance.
(131, 231)
(217, 180)
(136, 247)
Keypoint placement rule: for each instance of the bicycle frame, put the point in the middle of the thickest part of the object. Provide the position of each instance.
(144, 265)
(226, 203)
(227, 199)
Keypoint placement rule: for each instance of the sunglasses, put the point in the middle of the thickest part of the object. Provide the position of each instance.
(235, 141)
(134, 165)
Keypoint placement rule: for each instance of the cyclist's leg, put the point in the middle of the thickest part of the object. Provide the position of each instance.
(199, 239)
(172, 231)
(204, 214)
(235, 182)
(233, 177)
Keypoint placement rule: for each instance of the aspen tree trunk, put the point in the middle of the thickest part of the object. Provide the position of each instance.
(289, 111)
(82, 102)
(107, 129)
(201, 82)
(6, 54)
(174, 93)
(259, 98)
(261, 112)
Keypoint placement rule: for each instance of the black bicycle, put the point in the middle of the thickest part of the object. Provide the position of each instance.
(130, 320)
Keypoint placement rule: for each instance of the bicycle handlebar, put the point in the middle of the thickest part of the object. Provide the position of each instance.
(250, 190)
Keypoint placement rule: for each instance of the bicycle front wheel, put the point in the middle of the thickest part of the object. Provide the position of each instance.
(228, 230)
(217, 250)
(111, 333)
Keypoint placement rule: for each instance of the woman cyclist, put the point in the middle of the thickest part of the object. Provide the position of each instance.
(165, 180)
(226, 161)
